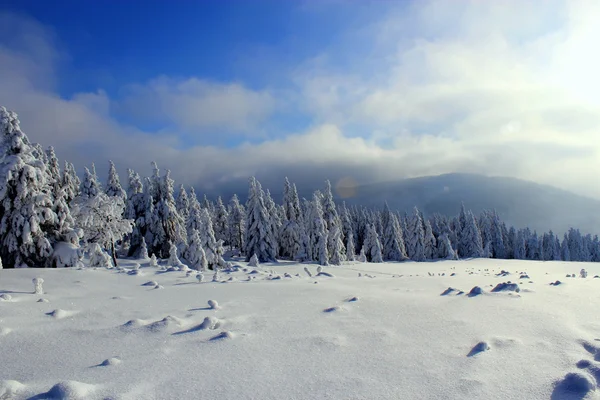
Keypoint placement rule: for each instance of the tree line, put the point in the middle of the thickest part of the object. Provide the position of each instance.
(49, 217)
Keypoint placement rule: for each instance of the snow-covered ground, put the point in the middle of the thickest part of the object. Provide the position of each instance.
(396, 332)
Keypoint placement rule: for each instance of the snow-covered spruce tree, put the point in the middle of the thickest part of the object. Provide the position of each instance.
(28, 223)
(143, 253)
(576, 246)
(331, 218)
(221, 221)
(565, 253)
(415, 246)
(274, 222)
(533, 247)
(113, 184)
(135, 210)
(470, 239)
(182, 204)
(292, 227)
(316, 227)
(174, 260)
(350, 251)
(207, 239)
(393, 241)
(322, 254)
(166, 226)
(90, 187)
(195, 254)
(430, 243)
(53, 170)
(444, 248)
(101, 219)
(258, 226)
(237, 225)
(372, 245)
(496, 236)
(70, 182)
(337, 254)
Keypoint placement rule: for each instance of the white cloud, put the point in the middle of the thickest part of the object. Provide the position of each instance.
(199, 104)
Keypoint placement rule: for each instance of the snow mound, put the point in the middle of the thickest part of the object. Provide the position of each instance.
(503, 273)
(209, 323)
(574, 385)
(159, 287)
(353, 299)
(163, 324)
(133, 323)
(71, 390)
(476, 291)
(223, 336)
(506, 287)
(525, 276)
(327, 274)
(110, 361)
(8, 389)
(448, 291)
(4, 332)
(213, 305)
(150, 283)
(5, 297)
(333, 309)
(43, 301)
(479, 348)
(556, 283)
(60, 314)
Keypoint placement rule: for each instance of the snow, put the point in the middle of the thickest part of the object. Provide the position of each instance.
(106, 334)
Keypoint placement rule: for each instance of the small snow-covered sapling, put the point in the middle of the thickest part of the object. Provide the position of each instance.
(213, 305)
(583, 273)
(254, 261)
(200, 278)
(216, 276)
(153, 261)
(37, 286)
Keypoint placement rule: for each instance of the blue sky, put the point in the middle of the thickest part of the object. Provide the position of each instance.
(372, 90)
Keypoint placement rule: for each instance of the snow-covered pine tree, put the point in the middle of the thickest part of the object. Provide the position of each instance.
(70, 182)
(471, 245)
(166, 225)
(332, 223)
(350, 250)
(99, 258)
(53, 170)
(292, 230)
(237, 225)
(564, 249)
(258, 226)
(444, 248)
(575, 243)
(520, 246)
(182, 204)
(274, 222)
(372, 245)
(143, 253)
(317, 231)
(533, 247)
(430, 242)
(496, 236)
(195, 254)
(135, 209)
(393, 238)
(415, 247)
(337, 254)
(90, 187)
(113, 184)
(322, 253)
(207, 239)
(28, 223)
(221, 221)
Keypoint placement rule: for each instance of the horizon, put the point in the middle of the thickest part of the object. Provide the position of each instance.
(355, 89)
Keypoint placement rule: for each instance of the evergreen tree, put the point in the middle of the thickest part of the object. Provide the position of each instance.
(291, 237)
(53, 170)
(182, 204)
(317, 231)
(195, 254)
(520, 250)
(338, 251)
(90, 187)
(221, 221)
(430, 242)
(258, 226)
(70, 182)
(564, 249)
(28, 223)
(416, 237)
(393, 242)
(470, 238)
(496, 237)
(236, 223)
(372, 245)
(135, 210)
(113, 185)
(444, 248)
(350, 251)
(274, 222)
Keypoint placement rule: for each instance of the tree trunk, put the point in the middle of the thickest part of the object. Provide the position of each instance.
(113, 252)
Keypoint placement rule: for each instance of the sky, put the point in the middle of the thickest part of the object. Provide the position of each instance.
(352, 90)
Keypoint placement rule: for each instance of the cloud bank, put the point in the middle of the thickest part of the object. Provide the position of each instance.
(499, 88)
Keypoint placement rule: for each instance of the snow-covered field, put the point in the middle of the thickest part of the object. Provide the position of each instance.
(388, 334)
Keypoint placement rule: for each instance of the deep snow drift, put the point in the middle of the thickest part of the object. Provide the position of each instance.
(368, 331)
